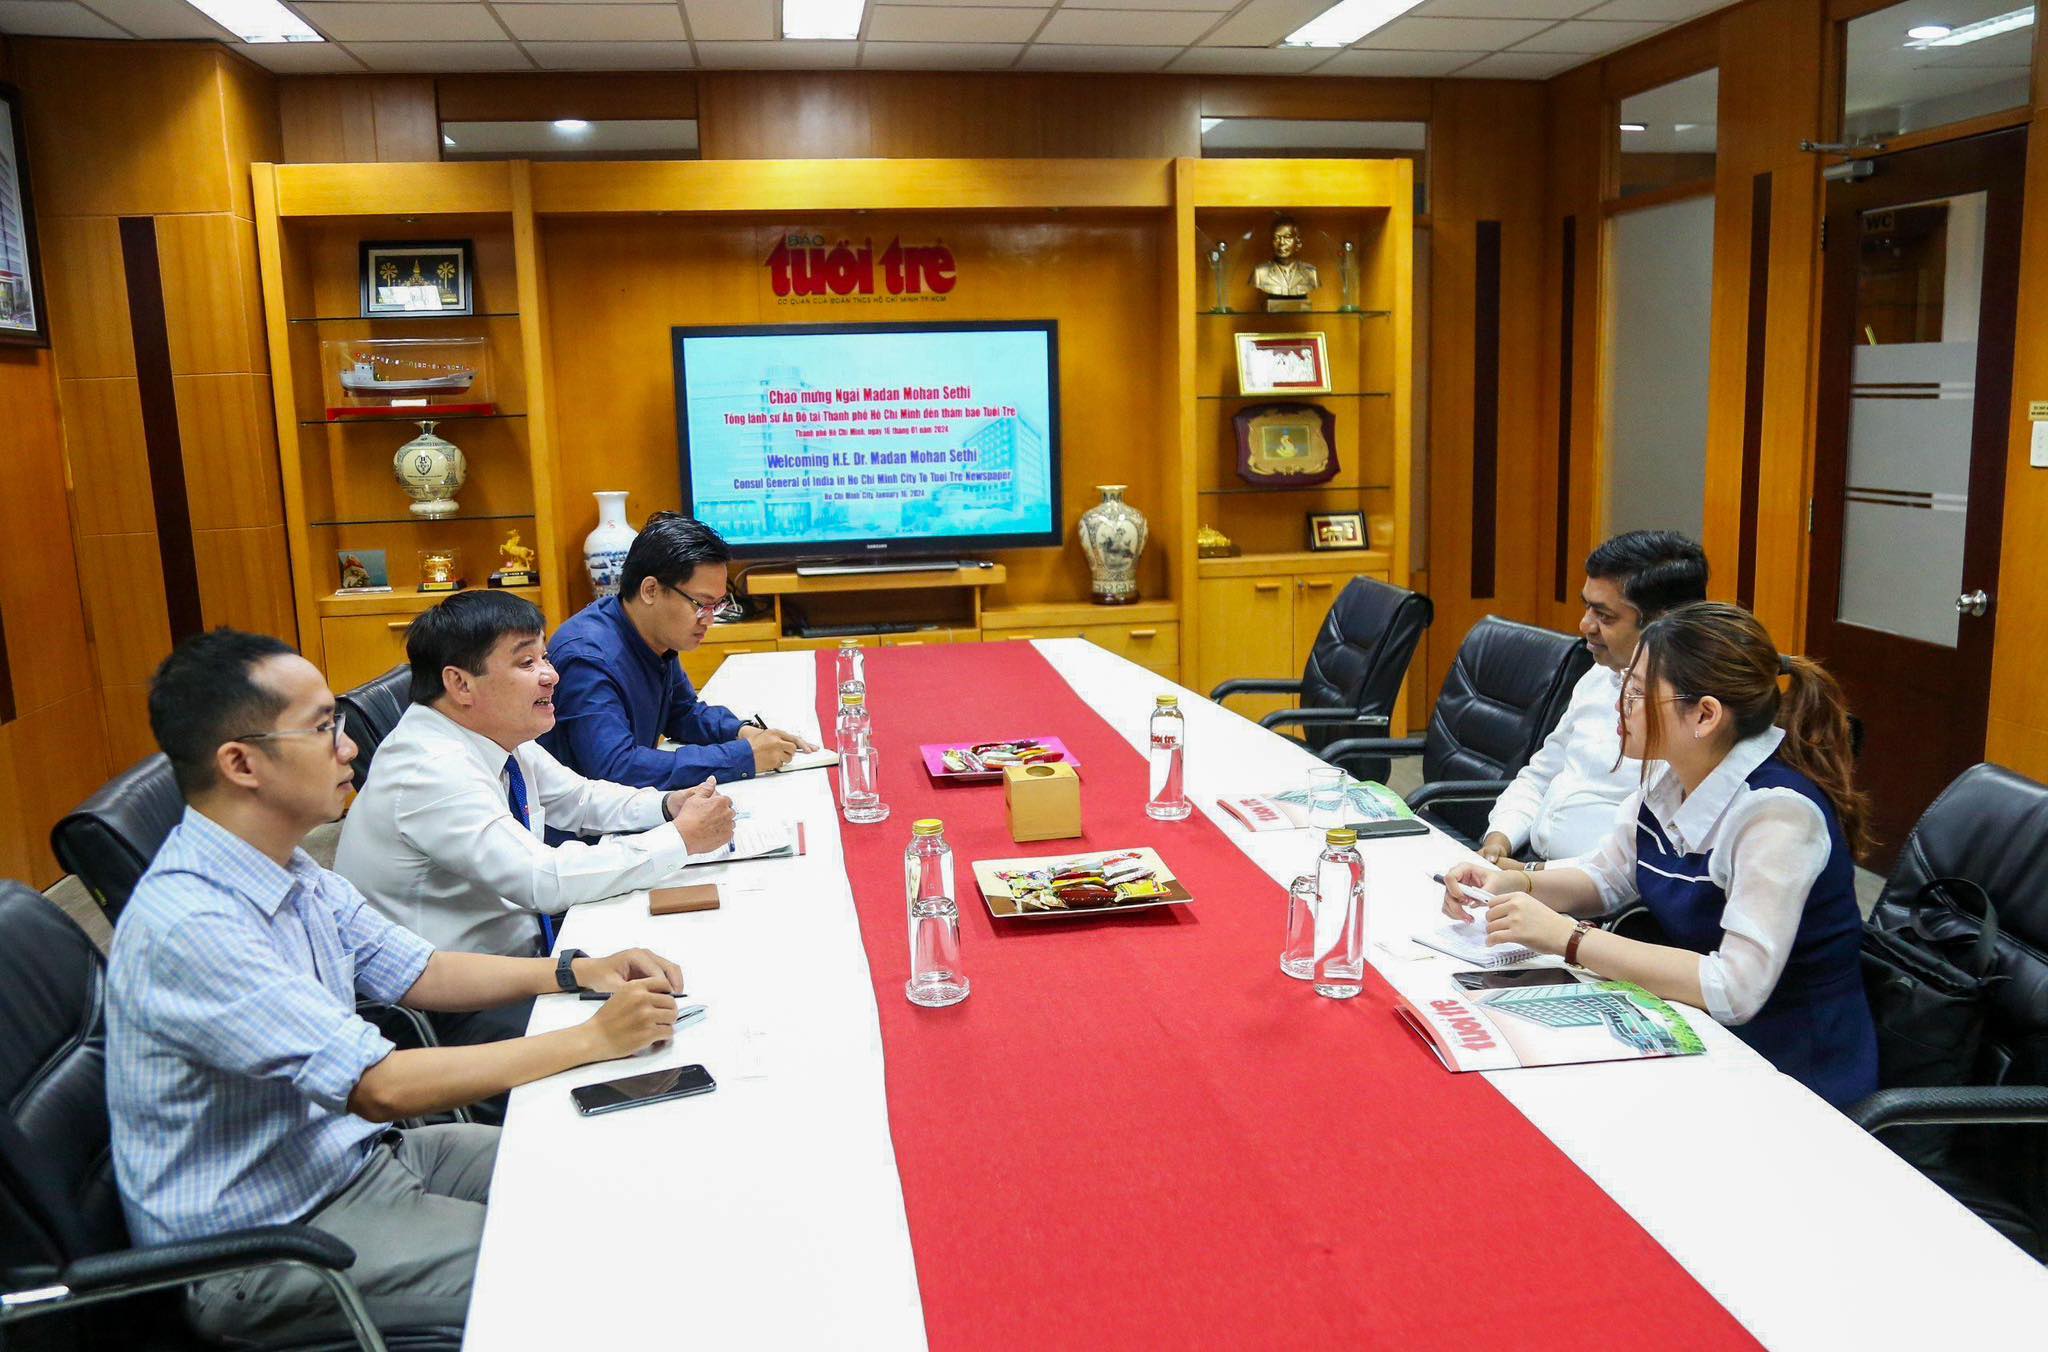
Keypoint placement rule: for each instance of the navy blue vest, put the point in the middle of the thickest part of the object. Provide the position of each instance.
(1816, 1025)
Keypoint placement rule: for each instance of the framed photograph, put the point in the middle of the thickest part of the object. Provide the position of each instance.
(1336, 530)
(1285, 445)
(23, 319)
(363, 570)
(415, 279)
(1282, 363)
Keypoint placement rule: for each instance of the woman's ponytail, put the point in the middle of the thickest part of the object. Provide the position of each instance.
(1818, 744)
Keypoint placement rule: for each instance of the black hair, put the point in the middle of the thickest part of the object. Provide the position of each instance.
(1656, 569)
(668, 549)
(205, 694)
(460, 632)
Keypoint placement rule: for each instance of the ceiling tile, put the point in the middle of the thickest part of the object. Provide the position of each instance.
(1211, 6)
(1521, 66)
(301, 58)
(938, 55)
(922, 24)
(1503, 9)
(1055, 57)
(611, 55)
(1249, 60)
(1451, 35)
(163, 19)
(1124, 27)
(1588, 37)
(370, 22)
(53, 19)
(731, 20)
(440, 57)
(1261, 23)
(1360, 62)
(594, 23)
(1665, 11)
(956, 4)
(809, 54)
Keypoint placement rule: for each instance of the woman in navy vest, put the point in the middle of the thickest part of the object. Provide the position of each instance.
(1742, 842)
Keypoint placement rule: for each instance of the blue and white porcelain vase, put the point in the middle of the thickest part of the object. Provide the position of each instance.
(604, 549)
(1112, 537)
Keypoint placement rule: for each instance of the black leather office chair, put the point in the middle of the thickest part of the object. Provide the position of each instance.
(1991, 827)
(1506, 689)
(72, 1280)
(109, 839)
(1354, 671)
(373, 710)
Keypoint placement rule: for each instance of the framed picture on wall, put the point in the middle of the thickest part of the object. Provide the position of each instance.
(1282, 363)
(418, 279)
(23, 318)
(1336, 530)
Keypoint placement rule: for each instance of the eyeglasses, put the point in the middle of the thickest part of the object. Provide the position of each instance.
(1630, 698)
(724, 608)
(331, 729)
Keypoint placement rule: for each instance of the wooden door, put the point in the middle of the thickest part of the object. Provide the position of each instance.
(1247, 630)
(1917, 313)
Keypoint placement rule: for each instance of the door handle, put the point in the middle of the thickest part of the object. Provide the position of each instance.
(1973, 603)
(1265, 586)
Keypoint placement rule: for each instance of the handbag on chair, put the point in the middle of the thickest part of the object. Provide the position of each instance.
(1928, 1001)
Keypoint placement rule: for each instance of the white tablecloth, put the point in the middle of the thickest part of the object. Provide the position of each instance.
(769, 1213)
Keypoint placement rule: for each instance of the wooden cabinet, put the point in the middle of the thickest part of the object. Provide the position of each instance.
(1147, 633)
(1260, 618)
(727, 640)
(362, 647)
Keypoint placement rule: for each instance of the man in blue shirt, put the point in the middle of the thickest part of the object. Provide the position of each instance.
(243, 1087)
(621, 689)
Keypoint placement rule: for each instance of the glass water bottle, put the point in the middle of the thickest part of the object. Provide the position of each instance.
(935, 975)
(853, 731)
(853, 667)
(1340, 916)
(1169, 801)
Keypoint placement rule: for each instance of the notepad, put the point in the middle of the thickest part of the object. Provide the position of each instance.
(1466, 941)
(809, 760)
(757, 840)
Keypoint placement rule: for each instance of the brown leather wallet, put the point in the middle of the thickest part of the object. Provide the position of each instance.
(680, 900)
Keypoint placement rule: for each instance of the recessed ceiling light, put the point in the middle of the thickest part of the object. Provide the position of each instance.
(1928, 32)
(1346, 22)
(1978, 31)
(821, 19)
(1210, 124)
(446, 139)
(1635, 126)
(257, 20)
(1685, 126)
(571, 125)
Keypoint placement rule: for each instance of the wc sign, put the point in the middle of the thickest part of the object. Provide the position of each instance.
(805, 267)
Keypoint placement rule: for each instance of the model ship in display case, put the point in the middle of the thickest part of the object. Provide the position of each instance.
(407, 378)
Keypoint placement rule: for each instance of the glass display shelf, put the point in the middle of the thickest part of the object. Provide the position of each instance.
(1303, 394)
(398, 319)
(387, 415)
(455, 520)
(1301, 488)
(1283, 314)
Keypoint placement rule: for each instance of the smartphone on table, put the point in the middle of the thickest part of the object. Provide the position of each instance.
(654, 1087)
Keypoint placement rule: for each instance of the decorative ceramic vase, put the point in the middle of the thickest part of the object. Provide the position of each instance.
(1112, 536)
(604, 549)
(430, 470)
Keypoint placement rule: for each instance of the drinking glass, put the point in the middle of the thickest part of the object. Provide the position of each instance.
(935, 976)
(1327, 797)
(1298, 958)
(860, 795)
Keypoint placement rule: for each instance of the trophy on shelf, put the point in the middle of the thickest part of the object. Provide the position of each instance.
(430, 469)
(1286, 280)
(515, 567)
(440, 570)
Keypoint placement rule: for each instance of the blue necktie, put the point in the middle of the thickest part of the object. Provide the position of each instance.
(515, 794)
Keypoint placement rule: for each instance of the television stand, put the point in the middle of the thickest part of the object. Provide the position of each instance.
(854, 567)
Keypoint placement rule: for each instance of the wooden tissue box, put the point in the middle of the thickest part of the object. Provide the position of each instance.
(1044, 801)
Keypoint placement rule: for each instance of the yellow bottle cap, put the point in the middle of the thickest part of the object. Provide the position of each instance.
(1167, 701)
(929, 826)
(1341, 835)
(852, 697)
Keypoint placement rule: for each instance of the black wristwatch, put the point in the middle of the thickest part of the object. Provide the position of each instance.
(565, 978)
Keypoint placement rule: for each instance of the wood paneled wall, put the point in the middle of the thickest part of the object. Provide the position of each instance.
(53, 751)
(159, 136)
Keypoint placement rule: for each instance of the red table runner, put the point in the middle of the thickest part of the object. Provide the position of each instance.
(1136, 1132)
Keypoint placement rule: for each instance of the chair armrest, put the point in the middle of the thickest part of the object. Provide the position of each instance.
(1963, 1105)
(1255, 686)
(1459, 791)
(1323, 718)
(1373, 746)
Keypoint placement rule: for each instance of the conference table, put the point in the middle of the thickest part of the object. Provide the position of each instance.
(1137, 1131)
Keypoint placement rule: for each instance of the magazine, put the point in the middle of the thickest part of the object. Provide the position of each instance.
(1288, 811)
(1547, 1025)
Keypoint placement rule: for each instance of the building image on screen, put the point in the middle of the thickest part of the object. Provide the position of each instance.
(815, 439)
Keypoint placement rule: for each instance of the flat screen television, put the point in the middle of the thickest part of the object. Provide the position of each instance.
(875, 441)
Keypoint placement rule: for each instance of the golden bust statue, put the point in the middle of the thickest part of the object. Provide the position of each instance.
(1285, 279)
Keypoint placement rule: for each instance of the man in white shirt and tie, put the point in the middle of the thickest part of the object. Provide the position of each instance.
(447, 836)
(1564, 802)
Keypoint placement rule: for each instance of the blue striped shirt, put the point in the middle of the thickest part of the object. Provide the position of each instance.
(232, 1038)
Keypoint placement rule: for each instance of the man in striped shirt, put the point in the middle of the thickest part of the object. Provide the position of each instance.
(243, 1086)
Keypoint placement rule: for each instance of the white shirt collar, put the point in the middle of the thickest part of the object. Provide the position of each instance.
(482, 749)
(1686, 823)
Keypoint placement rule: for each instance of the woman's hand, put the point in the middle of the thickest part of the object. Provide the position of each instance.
(1469, 874)
(1518, 918)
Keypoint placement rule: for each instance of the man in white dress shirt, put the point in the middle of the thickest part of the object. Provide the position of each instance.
(446, 837)
(1564, 802)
